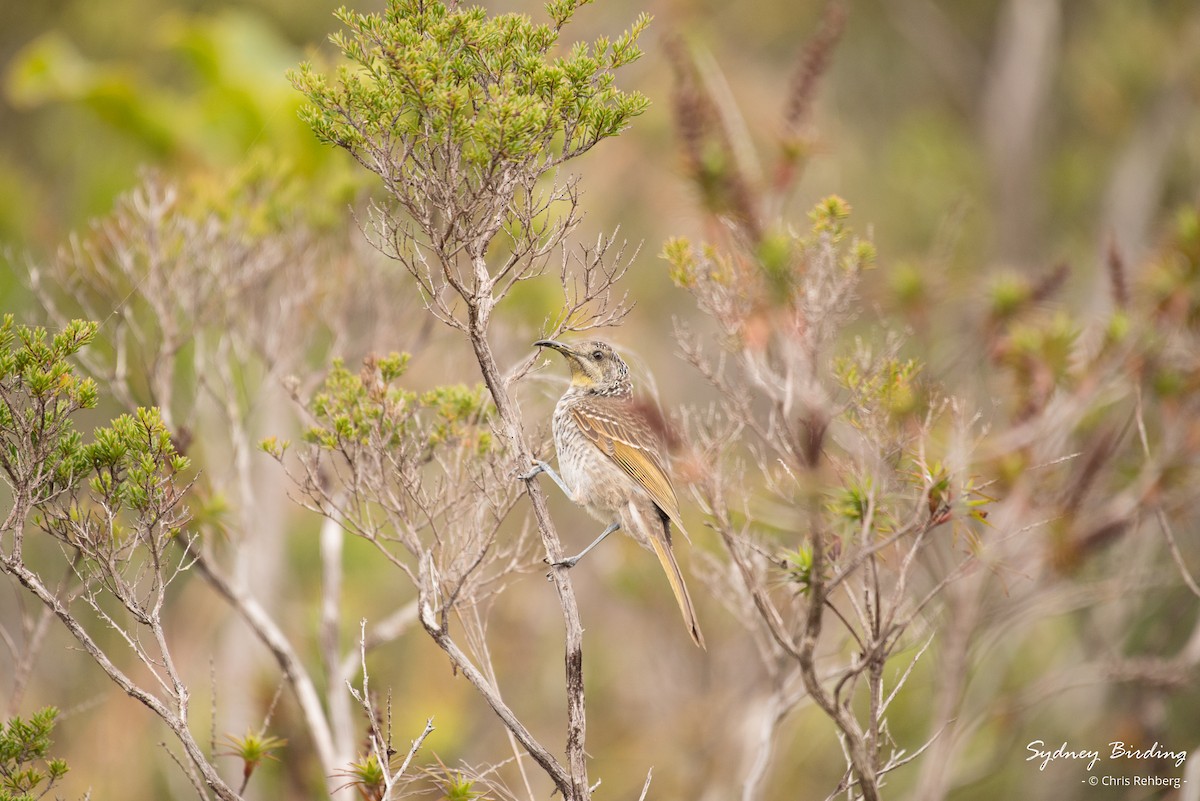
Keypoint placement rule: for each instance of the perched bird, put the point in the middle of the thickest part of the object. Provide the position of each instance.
(611, 460)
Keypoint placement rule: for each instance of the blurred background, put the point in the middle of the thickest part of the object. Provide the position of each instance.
(977, 142)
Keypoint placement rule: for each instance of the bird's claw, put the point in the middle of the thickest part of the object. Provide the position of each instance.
(563, 563)
(538, 467)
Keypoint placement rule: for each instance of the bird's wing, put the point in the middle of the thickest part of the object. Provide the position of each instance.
(621, 432)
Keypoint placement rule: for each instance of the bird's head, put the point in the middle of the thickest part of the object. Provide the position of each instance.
(595, 366)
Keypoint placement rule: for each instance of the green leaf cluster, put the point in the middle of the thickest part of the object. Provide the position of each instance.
(829, 217)
(130, 466)
(798, 565)
(134, 462)
(852, 501)
(457, 787)
(371, 409)
(893, 385)
(447, 89)
(367, 776)
(26, 773)
(1050, 343)
(962, 501)
(39, 391)
(686, 268)
(1009, 293)
(774, 271)
(253, 749)
(1173, 279)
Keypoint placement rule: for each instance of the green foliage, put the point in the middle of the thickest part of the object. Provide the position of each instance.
(1051, 343)
(776, 254)
(454, 785)
(367, 776)
(461, 114)
(26, 773)
(457, 787)
(829, 217)
(1040, 353)
(909, 286)
(798, 565)
(353, 410)
(129, 467)
(134, 461)
(891, 386)
(680, 256)
(456, 412)
(204, 90)
(360, 408)
(747, 292)
(39, 391)
(1008, 294)
(945, 499)
(252, 749)
(485, 91)
(853, 501)
(1173, 281)
(41, 367)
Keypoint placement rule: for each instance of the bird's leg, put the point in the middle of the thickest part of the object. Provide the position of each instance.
(542, 467)
(572, 561)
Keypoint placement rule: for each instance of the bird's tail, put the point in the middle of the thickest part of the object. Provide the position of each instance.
(663, 550)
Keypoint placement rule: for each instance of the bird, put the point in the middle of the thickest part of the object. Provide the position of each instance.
(611, 459)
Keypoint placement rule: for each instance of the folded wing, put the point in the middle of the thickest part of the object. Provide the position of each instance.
(623, 434)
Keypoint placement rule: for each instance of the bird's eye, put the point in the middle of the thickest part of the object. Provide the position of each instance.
(598, 355)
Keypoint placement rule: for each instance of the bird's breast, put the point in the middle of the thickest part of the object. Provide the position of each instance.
(597, 482)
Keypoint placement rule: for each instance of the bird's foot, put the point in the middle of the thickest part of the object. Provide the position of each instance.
(566, 564)
(538, 468)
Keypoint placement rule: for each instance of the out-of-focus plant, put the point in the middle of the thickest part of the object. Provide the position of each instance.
(419, 475)
(195, 93)
(871, 505)
(211, 294)
(27, 773)
(825, 471)
(252, 749)
(823, 462)
(115, 507)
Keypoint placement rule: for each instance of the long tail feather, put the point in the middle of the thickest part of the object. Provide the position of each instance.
(675, 577)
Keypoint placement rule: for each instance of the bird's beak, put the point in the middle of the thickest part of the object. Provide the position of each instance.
(561, 347)
(580, 376)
